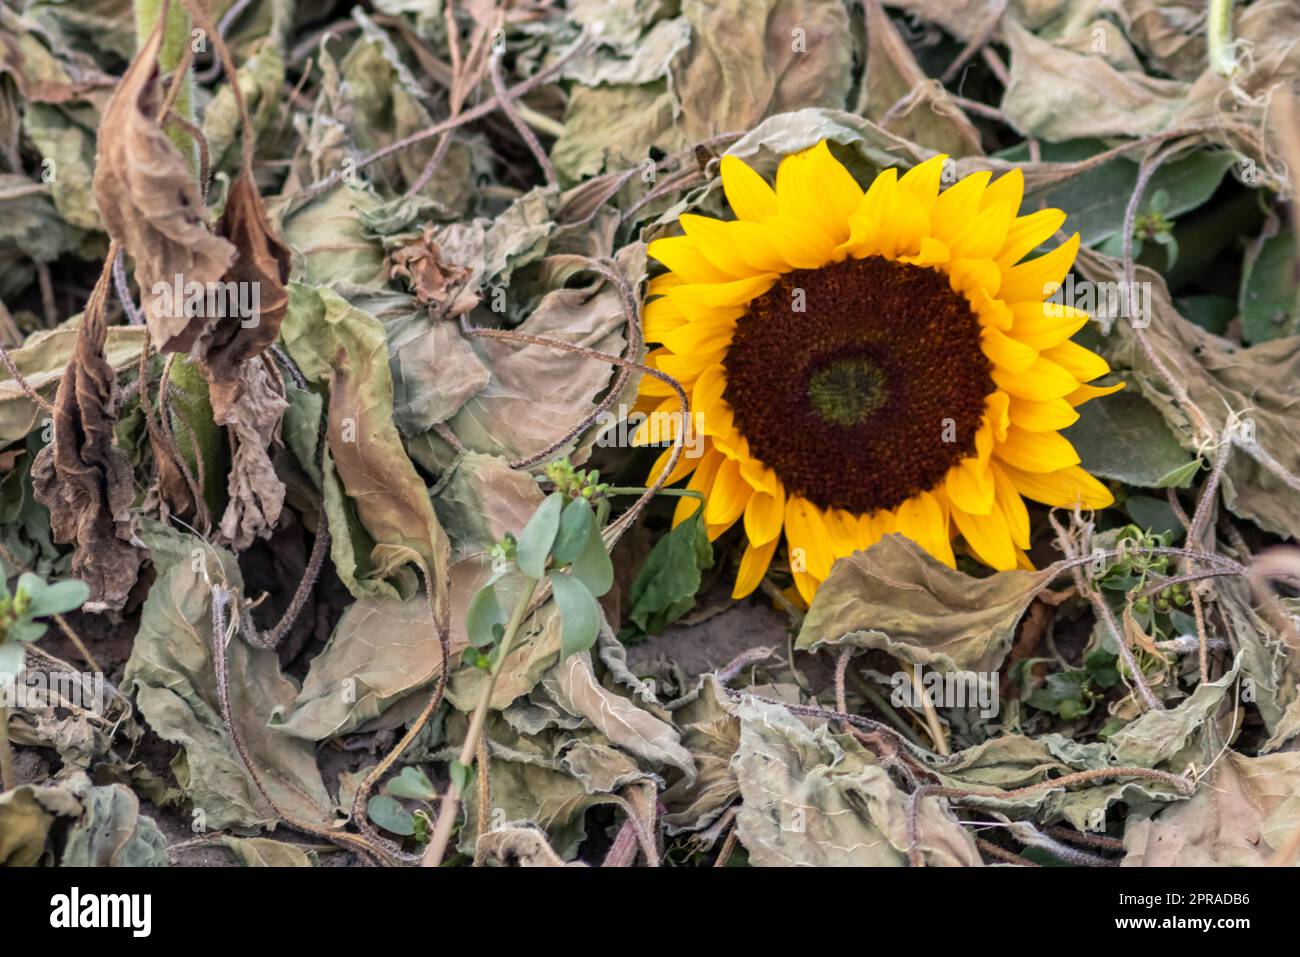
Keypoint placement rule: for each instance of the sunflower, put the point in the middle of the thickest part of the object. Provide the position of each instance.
(871, 362)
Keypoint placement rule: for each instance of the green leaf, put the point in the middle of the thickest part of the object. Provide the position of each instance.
(578, 611)
(53, 599)
(390, 815)
(576, 525)
(484, 617)
(538, 536)
(665, 588)
(11, 660)
(1269, 291)
(1124, 437)
(592, 567)
(27, 630)
(412, 783)
(1095, 199)
(462, 776)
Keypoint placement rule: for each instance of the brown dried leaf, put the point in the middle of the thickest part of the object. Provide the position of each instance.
(433, 278)
(246, 391)
(251, 405)
(81, 477)
(149, 202)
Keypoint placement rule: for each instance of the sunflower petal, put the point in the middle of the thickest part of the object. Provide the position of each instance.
(921, 519)
(1049, 416)
(1027, 233)
(806, 532)
(1039, 278)
(1061, 489)
(765, 516)
(753, 566)
(988, 536)
(748, 194)
(1041, 381)
(1036, 451)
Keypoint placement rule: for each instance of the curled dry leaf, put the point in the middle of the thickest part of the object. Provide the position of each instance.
(432, 277)
(150, 203)
(81, 477)
(246, 390)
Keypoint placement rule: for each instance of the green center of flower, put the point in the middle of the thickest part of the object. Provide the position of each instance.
(847, 390)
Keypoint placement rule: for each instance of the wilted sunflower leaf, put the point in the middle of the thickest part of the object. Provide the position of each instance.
(899, 599)
(150, 203)
(664, 589)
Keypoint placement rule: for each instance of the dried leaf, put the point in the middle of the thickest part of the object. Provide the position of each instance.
(147, 196)
(897, 598)
(82, 477)
(1240, 817)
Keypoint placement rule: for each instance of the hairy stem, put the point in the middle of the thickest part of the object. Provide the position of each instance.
(176, 43)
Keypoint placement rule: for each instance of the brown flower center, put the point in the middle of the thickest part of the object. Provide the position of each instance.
(860, 383)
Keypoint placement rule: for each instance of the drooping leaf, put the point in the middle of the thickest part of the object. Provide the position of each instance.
(579, 612)
(537, 537)
(665, 588)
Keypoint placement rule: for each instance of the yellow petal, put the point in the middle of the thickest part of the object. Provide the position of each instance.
(1039, 278)
(716, 244)
(1036, 451)
(682, 254)
(1041, 381)
(1012, 505)
(921, 518)
(1027, 233)
(1046, 416)
(1041, 325)
(755, 247)
(693, 298)
(729, 497)
(969, 485)
(661, 317)
(765, 516)
(753, 566)
(982, 236)
(701, 481)
(1008, 189)
(1084, 364)
(958, 205)
(1061, 489)
(806, 532)
(686, 464)
(803, 245)
(747, 193)
(1002, 350)
(1086, 393)
(923, 180)
(988, 537)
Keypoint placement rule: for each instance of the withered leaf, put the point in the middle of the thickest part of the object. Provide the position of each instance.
(150, 203)
(81, 477)
(246, 391)
(431, 275)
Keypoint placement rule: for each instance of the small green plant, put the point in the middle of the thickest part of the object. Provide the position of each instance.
(390, 814)
(561, 545)
(32, 598)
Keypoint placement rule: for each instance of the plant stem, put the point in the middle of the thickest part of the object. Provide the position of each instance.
(176, 34)
(451, 798)
(8, 780)
(1218, 37)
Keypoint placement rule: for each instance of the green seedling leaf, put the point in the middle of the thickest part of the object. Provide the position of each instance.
(412, 783)
(53, 599)
(485, 618)
(665, 588)
(576, 525)
(592, 567)
(11, 660)
(579, 614)
(390, 815)
(538, 536)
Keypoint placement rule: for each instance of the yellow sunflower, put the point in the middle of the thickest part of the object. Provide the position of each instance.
(867, 363)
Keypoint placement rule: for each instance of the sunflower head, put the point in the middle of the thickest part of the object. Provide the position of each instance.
(871, 362)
